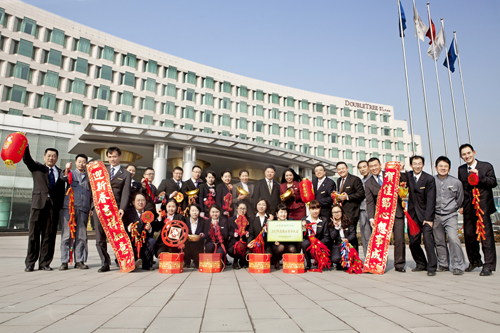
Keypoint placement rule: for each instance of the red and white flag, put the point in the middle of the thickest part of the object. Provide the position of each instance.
(435, 51)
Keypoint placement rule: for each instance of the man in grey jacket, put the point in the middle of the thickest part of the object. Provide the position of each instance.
(449, 197)
(83, 199)
(364, 223)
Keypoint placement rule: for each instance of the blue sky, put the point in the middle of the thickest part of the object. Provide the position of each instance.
(347, 49)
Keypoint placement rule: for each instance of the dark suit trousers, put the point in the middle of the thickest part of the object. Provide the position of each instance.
(355, 243)
(430, 247)
(100, 241)
(398, 231)
(192, 252)
(472, 245)
(147, 252)
(336, 256)
(42, 235)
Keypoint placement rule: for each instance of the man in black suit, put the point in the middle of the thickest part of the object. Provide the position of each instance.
(47, 201)
(149, 174)
(421, 208)
(267, 188)
(487, 181)
(351, 194)
(191, 184)
(171, 186)
(372, 187)
(120, 184)
(135, 186)
(323, 189)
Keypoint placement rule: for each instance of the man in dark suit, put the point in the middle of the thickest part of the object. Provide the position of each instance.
(323, 189)
(487, 181)
(149, 174)
(351, 194)
(135, 186)
(237, 197)
(47, 201)
(191, 184)
(267, 188)
(171, 186)
(120, 184)
(372, 187)
(421, 208)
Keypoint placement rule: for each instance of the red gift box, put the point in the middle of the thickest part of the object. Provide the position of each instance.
(259, 263)
(210, 262)
(293, 263)
(171, 263)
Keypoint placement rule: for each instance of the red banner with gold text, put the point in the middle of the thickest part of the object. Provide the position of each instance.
(387, 200)
(107, 211)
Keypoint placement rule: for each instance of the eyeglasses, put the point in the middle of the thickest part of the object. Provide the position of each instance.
(337, 212)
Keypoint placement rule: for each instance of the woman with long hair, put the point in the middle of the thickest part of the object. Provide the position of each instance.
(224, 197)
(319, 227)
(279, 248)
(207, 195)
(218, 232)
(169, 215)
(340, 229)
(234, 232)
(290, 181)
(197, 225)
(259, 223)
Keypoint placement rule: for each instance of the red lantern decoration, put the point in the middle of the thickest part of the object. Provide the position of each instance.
(13, 149)
(306, 190)
(473, 179)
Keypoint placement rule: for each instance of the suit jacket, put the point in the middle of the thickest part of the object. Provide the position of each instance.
(322, 229)
(221, 191)
(248, 200)
(255, 227)
(120, 184)
(262, 191)
(82, 192)
(353, 187)
(203, 196)
(487, 181)
(333, 235)
(371, 193)
(201, 229)
(187, 186)
(224, 230)
(422, 196)
(168, 186)
(324, 195)
(41, 184)
(135, 187)
(233, 228)
(158, 225)
(150, 204)
(131, 216)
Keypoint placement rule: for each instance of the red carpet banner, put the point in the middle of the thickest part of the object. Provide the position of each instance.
(385, 212)
(107, 211)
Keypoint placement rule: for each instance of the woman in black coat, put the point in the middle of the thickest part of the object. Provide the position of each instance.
(218, 232)
(241, 210)
(259, 222)
(197, 225)
(222, 190)
(171, 215)
(207, 190)
(320, 227)
(340, 228)
(284, 247)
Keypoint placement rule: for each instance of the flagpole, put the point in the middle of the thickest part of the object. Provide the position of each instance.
(451, 86)
(425, 93)
(406, 78)
(437, 79)
(462, 80)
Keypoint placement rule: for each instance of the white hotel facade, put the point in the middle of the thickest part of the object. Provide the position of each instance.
(81, 90)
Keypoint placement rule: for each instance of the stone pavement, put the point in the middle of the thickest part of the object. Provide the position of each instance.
(237, 301)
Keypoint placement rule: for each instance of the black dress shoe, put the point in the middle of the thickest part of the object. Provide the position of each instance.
(45, 268)
(29, 269)
(117, 264)
(433, 273)
(64, 266)
(81, 265)
(307, 268)
(103, 269)
(277, 265)
(456, 271)
(399, 269)
(418, 269)
(442, 269)
(485, 272)
(472, 267)
(235, 265)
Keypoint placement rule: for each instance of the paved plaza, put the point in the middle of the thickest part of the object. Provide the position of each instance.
(237, 301)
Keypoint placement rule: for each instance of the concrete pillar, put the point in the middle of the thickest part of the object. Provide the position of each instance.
(294, 167)
(188, 161)
(160, 162)
(308, 173)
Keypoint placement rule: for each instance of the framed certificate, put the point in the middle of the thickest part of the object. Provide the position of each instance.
(284, 231)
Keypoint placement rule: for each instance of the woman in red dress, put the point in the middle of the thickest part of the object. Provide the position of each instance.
(294, 204)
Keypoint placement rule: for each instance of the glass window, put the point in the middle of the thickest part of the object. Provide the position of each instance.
(259, 95)
(304, 104)
(55, 57)
(129, 79)
(373, 129)
(191, 78)
(226, 87)
(29, 26)
(387, 158)
(225, 133)
(401, 157)
(333, 124)
(188, 112)
(209, 99)
(360, 128)
(319, 107)
(172, 72)
(289, 101)
(149, 103)
(387, 131)
(81, 65)
(169, 123)
(333, 109)
(320, 151)
(399, 132)
(189, 95)
(347, 125)
(2, 16)
(152, 67)
(106, 73)
(362, 156)
(361, 142)
(79, 86)
(375, 154)
(274, 113)
(400, 145)
(348, 154)
(334, 153)
(290, 145)
(171, 90)
(104, 93)
(387, 144)
(151, 85)
(319, 121)
(76, 108)
(274, 129)
(126, 117)
(348, 140)
(148, 120)
(374, 143)
(347, 112)
(49, 101)
(259, 127)
(243, 107)
(275, 98)
(57, 37)
(169, 108)
(25, 48)
(225, 120)
(304, 134)
(385, 118)
(319, 136)
(334, 138)
(304, 119)
(108, 53)
(51, 79)
(373, 115)
(259, 110)
(17, 94)
(290, 132)
(127, 98)
(15, 112)
(225, 103)
(130, 60)
(306, 149)
(84, 45)
(290, 116)
(208, 116)
(359, 114)
(243, 91)
(22, 70)
(101, 113)
(207, 130)
(209, 83)
(243, 136)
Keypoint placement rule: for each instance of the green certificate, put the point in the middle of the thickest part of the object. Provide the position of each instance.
(284, 231)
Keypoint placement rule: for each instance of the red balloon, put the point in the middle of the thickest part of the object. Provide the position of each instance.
(13, 149)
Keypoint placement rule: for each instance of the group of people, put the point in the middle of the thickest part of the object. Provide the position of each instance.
(211, 212)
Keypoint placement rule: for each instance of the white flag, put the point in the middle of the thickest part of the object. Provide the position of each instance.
(420, 27)
(438, 45)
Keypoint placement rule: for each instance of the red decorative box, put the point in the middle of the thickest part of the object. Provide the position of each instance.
(171, 263)
(293, 263)
(259, 263)
(210, 262)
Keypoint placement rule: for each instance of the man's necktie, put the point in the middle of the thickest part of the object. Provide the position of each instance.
(52, 180)
(380, 181)
(83, 178)
(196, 184)
(469, 168)
(269, 186)
(342, 185)
(112, 172)
(416, 179)
(179, 184)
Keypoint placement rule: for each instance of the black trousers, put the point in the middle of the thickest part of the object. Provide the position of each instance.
(430, 247)
(192, 252)
(472, 244)
(100, 241)
(282, 248)
(147, 252)
(355, 243)
(42, 235)
(210, 248)
(162, 247)
(398, 230)
(335, 255)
